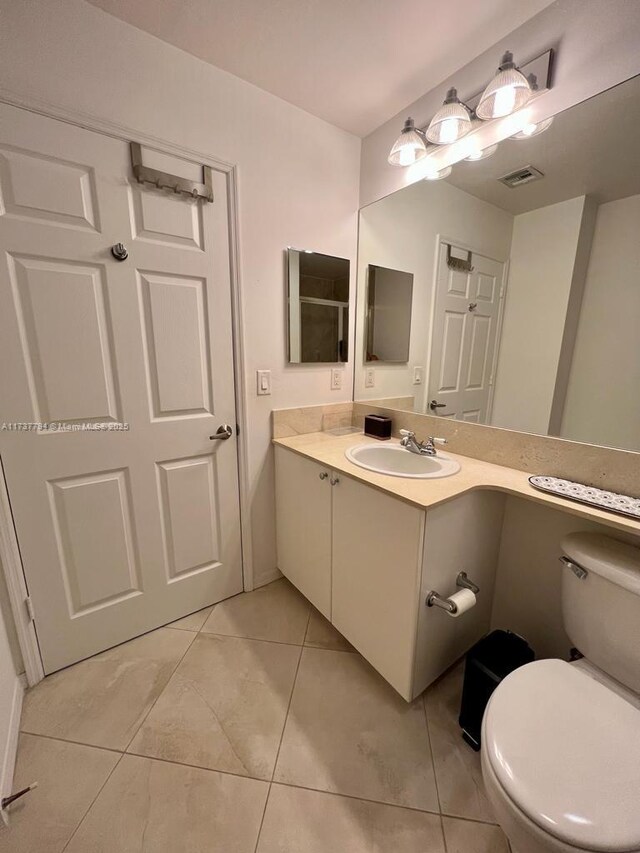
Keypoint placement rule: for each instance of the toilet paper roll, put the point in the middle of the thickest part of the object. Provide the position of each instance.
(464, 600)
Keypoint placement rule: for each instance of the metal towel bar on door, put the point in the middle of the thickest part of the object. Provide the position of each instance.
(163, 180)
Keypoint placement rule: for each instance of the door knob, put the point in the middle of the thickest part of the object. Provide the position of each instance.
(323, 475)
(119, 252)
(223, 433)
(434, 404)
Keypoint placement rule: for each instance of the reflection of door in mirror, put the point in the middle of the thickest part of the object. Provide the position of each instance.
(388, 317)
(466, 320)
(318, 307)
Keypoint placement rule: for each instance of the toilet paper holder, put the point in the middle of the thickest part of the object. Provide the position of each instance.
(434, 599)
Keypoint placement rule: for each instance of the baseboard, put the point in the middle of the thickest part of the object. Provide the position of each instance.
(267, 577)
(10, 748)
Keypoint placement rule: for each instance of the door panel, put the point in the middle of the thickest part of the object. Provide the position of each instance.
(176, 344)
(189, 515)
(167, 219)
(467, 311)
(47, 189)
(96, 544)
(132, 531)
(61, 311)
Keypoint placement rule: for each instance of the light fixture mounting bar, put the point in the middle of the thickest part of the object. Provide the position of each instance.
(537, 71)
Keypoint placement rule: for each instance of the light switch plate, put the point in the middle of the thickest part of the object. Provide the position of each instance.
(263, 378)
(417, 376)
(336, 379)
(369, 377)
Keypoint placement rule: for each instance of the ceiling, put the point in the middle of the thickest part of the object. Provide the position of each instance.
(354, 63)
(590, 149)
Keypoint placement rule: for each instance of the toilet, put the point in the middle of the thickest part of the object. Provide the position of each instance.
(561, 741)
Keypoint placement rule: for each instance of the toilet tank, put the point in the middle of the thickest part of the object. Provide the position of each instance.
(601, 611)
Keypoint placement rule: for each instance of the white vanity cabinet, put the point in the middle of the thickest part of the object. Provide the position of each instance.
(376, 568)
(367, 559)
(303, 511)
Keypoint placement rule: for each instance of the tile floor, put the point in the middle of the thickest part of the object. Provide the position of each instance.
(250, 727)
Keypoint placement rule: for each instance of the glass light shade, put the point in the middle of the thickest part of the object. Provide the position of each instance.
(482, 153)
(408, 147)
(451, 122)
(532, 129)
(507, 92)
(438, 175)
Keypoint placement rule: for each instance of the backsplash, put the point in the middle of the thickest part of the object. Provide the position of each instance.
(607, 468)
(617, 470)
(288, 422)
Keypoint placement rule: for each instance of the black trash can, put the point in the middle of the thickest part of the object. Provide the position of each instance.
(487, 663)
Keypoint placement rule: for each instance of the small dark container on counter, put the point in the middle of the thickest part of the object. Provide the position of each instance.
(377, 426)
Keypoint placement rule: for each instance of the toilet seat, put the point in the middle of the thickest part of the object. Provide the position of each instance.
(565, 751)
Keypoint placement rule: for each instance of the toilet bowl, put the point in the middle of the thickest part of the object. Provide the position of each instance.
(561, 741)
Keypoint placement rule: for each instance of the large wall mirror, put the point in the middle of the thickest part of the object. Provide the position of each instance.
(318, 307)
(525, 311)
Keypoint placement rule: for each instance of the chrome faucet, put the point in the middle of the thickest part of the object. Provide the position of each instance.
(424, 448)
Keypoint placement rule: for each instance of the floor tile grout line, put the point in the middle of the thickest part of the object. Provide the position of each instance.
(433, 767)
(92, 803)
(74, 742)
(255, 639)
(293, 687)
(359, 798)
(155, 701)
(264, 812)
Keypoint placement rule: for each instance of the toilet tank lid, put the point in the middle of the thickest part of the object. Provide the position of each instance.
(616, 561)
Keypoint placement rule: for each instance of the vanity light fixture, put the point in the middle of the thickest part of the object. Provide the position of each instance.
(507, 92)
(482, 153)
(532, 129)
(451, 122)
(409, 147)
(438, 174)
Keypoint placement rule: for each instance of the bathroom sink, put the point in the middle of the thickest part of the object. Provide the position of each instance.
(396, 461)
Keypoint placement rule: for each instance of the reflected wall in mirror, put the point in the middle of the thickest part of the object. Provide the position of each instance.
(318, 307)
(542, 334)
(388, 318)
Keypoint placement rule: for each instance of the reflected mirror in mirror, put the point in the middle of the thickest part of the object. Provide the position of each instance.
(526, 296)
(388, 318)
(318, 307)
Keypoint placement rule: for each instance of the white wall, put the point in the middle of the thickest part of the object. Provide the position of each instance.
(298, 178)
(401, 232)
(543, 257)
(528, 582)
(596, 43)
(603, 395)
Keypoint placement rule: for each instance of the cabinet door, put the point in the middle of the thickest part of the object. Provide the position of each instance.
(377, 548)
(303, 513)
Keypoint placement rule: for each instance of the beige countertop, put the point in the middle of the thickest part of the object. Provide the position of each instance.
(474, 474)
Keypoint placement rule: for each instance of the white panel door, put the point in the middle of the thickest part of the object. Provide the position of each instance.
(120, 531)
(463, 344)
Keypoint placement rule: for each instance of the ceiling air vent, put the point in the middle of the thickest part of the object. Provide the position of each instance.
(521, 176)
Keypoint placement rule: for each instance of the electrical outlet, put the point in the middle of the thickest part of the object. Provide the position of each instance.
(369, 377)
(417, 376)
(263, 378)
(336, 379)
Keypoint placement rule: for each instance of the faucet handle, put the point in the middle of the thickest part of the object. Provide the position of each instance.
(437, 440)
(406, 433)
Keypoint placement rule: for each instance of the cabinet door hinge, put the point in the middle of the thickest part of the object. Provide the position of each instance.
(29, 605)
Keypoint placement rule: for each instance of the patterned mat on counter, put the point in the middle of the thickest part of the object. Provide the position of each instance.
(622, 504)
